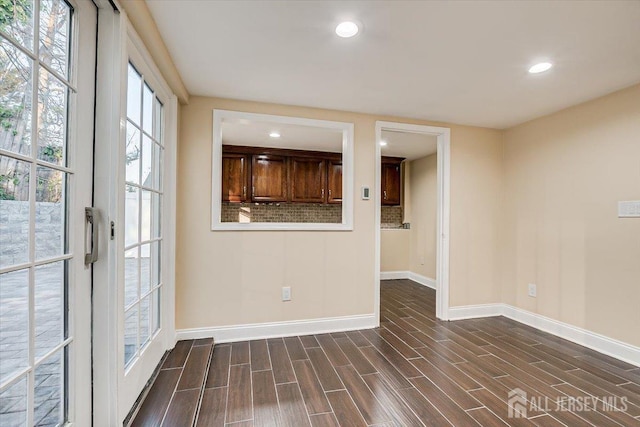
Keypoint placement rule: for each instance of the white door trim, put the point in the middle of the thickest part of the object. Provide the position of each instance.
(443, 136)
(108, 106)
(117, 43)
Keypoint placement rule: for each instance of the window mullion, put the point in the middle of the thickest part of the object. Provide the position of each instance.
(33, 181)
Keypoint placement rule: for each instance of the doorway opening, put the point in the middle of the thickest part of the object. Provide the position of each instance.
(412, 208)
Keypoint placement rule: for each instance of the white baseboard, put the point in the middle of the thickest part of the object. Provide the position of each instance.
(475, 311)
(394, 275)
(606, 345)
(592, 340)
(253, 331)
(423, 280)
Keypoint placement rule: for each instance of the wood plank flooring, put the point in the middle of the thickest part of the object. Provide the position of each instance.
(412, 371)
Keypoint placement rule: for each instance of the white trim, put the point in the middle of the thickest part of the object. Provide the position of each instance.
(170, 238)
(119, 43)
(253, 331)
(377, 184)
(133, 378)
(419, 279)
(105, 270)
(394, 275)
(475, 311)
(423, 280)
(347, 173)
(600, 343)
(442, 256)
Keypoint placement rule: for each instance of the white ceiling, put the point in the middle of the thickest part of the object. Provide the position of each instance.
(294, 137)
(455, 61)
(409, 145)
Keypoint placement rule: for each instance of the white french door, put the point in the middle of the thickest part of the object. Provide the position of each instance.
(47, 68)
(142, 216)
(133, 324)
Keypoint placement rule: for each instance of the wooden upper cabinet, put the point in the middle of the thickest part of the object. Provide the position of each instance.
(334, 182)
(235, 177)
(307, 180)
(257, 174)
(268, 178)
(391, 183)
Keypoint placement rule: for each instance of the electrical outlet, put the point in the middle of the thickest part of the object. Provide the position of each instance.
(286, 293)
(533, 291)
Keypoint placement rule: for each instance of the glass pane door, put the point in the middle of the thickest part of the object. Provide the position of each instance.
(40, 172)
(142, 215)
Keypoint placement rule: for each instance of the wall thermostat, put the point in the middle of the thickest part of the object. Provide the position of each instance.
(366, 193)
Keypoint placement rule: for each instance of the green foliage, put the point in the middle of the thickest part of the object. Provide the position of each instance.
(14, 10)
(48, 188)
(5, 194)
(8, 114)
(52, 153)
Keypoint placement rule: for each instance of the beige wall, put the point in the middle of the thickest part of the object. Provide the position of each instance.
(227, 278)
(476, 216)
(564, 175)
(423, 175)
(394, 249)
(146, 28)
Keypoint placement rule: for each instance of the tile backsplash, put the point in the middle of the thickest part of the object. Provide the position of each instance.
(391, 217)
(281, 212)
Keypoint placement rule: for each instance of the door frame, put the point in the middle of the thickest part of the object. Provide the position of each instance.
(118, 42)
(74, 347)
(443, 136)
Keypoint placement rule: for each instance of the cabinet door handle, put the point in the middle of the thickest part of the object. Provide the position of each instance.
(385, 194)
(322, 194)
(244, 191)
(329, 193)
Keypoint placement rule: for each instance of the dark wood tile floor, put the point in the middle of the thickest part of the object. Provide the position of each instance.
(413, 371)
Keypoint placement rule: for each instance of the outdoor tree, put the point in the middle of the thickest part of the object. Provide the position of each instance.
(18, 79)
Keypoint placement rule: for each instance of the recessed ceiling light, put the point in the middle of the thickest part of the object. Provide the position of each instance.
(347, 29)
(383, 143)
(540, 68)
(274, 135)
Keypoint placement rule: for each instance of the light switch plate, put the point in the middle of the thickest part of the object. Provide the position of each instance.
(629, 209)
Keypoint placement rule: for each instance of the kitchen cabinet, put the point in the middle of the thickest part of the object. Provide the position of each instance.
(334, 181)
(258, 174)
(235, 177)
(391, 181)
(269, 176)
(308, 179)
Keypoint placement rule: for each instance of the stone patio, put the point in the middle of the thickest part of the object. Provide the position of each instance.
(49, 324)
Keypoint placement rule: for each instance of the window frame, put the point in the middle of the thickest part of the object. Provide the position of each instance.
(347, 130)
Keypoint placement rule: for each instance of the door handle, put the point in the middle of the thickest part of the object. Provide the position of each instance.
(92, 220)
